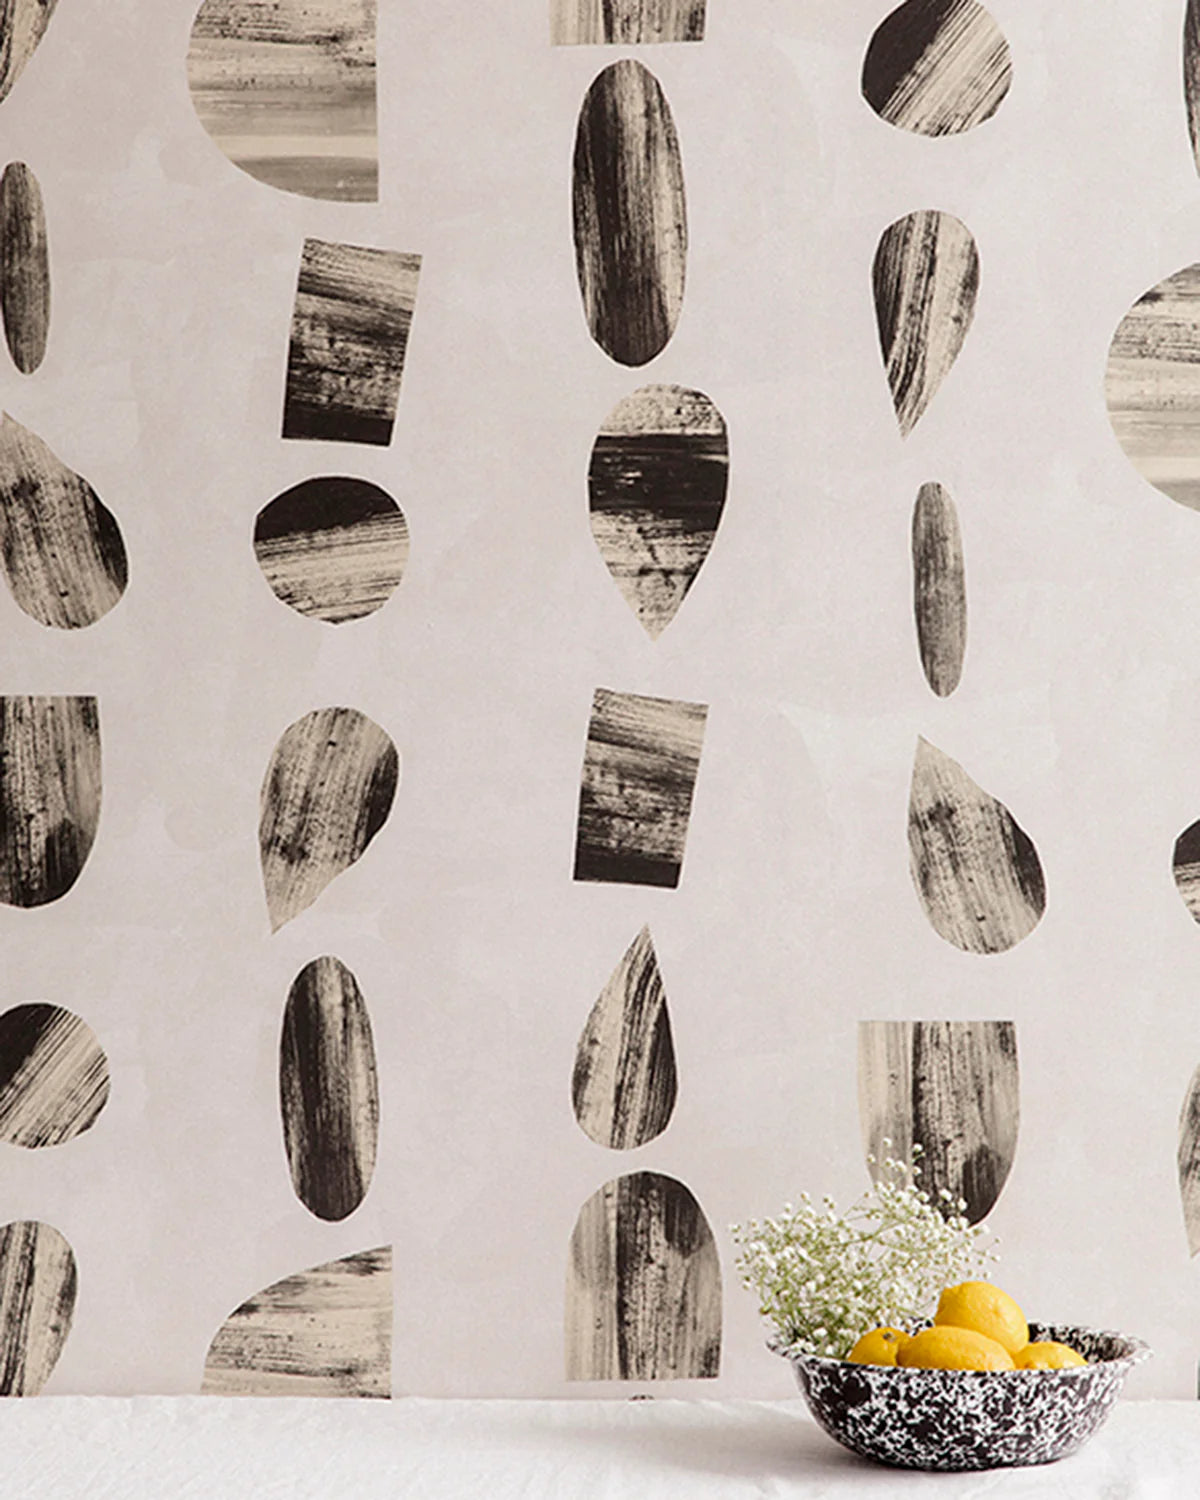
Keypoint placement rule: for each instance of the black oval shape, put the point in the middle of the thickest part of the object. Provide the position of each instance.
(939, 589)
(50, 785)
(328, 1089)
(24, 267)
(53, 1076)
(937, 67)
(630, 214)
(332, 548)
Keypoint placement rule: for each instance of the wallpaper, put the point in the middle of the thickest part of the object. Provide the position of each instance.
(593, 631)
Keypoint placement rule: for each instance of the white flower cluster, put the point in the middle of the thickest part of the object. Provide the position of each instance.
(824, 1278)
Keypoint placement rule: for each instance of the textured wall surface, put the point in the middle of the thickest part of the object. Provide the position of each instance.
(599, 736)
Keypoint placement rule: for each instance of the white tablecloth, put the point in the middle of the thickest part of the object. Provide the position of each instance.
(213, 1449)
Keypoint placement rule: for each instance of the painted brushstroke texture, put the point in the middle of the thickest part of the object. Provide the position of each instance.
(24, 267)
(332, 548)
(22, 25)
(950, 1087)
(1191, 74)
(327, 792)
(348, 341)
(350, 326)
(937, 67)
(53, 1076)
(38, 1282)
(62, 551)
(656, 490)
(1152, 386)
(635, 798)
(643, 1285)
(328, 1089)
(939, 589)
(286, 89)
(623, 1087)
(975, 869)
(49, 795)
(630, 214)
(1188, 1162)
(322, 1332)
(926, 278)
(625, 23)
(1186, 867)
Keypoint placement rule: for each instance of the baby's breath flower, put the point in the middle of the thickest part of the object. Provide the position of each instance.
(823, 1278)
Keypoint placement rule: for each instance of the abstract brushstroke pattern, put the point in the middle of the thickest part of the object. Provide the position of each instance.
(53, 1076)
(38, 1282)
(623, 1087)
(643, 1285)
(24, 267)
(327, 792)
(22, 25)
(630, 214)
(61, 547)
(950, 1087)
(1191, 74)
(976, 871)
(49, 795)
(625, 23)
(328, 1089)
(926, 278)
(322, 1332)
(350, 327)
(1188, 1162)
(1186, 867)
(286, 89)
(937, 67)
(635, 799)
(656, 490)
(939, 589)
(1152, 386)
(332, 548)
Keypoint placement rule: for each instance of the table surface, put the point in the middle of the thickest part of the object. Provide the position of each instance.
(197, 1448)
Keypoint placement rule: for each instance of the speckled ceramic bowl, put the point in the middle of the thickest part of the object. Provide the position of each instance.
(969, 1419)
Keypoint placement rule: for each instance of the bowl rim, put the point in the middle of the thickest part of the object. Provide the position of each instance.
(1138, 1351)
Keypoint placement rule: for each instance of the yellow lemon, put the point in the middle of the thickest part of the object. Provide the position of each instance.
(1048, 1356)
(948, 1348)
(878, 1347)
(986, 1309)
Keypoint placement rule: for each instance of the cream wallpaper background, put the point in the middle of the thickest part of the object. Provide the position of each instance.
(795, 918)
